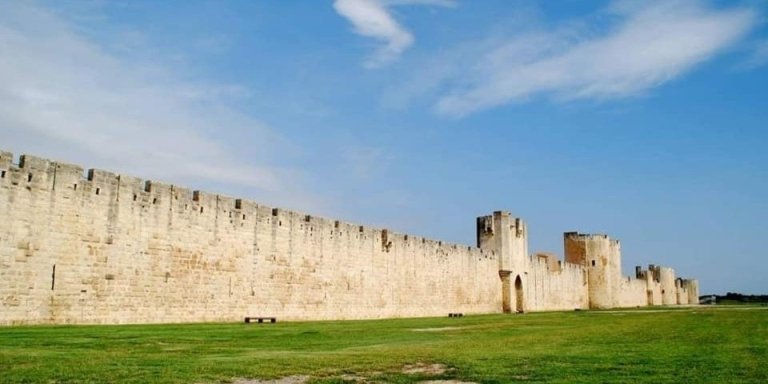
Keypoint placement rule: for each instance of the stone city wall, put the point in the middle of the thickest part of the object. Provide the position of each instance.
(107, 248)
(556, 286)
(632, 292)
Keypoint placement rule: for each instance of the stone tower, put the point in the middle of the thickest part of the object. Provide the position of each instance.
(665, 276)
(601, 257)
(692, 286)
(507, 237)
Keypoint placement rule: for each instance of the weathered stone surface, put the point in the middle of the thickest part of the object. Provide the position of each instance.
(108, 248)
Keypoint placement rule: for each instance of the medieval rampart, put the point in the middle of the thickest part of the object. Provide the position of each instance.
(107, 248)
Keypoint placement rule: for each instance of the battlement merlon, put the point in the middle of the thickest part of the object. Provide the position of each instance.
(6, 159)
(29, 162)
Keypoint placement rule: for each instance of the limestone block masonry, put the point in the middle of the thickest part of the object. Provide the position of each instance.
(103, 248)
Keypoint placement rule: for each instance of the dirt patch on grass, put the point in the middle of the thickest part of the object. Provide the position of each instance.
(446, 382)
(354, 378)
(284, 380)
(425, 369)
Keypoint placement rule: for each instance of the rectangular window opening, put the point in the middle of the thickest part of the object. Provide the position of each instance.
(29, 177)
(2, 174)
(98, 190)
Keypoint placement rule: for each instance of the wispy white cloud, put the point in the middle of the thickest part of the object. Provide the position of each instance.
(373, 18)
(649, 44)
(64, 96)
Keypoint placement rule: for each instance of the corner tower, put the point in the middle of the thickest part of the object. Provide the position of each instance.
(692, 285)
(601, 257)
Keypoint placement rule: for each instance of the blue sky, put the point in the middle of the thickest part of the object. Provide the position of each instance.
(645, 120)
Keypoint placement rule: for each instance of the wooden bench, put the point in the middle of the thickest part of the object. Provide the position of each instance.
(260, 320)
(455, 315)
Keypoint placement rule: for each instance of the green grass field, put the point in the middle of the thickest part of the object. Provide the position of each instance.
(703, 344)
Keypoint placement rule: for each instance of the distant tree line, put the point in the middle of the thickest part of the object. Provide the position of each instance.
(733, 297)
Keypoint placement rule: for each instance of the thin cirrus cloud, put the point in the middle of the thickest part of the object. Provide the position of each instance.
(64, 96)
(373, 18)
(650, 43)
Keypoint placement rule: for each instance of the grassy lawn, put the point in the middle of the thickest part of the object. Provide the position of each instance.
(706, 344)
